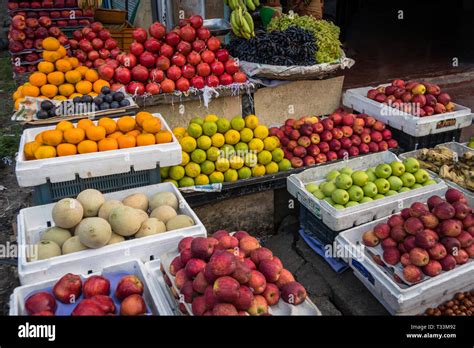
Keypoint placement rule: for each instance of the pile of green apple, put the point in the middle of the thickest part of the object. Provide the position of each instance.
(347, 188)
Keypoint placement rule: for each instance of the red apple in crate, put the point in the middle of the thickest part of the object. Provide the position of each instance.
(226, 289)
(96, 285)
(40, 302)
(127, 286)
(88, 307)
(133, 305)
(222, 264)
(106, 303)
(245, 298)
(199, 306)
(68, 288)
(224, 309)
(293, 293)
(412, 273)
(176, 265)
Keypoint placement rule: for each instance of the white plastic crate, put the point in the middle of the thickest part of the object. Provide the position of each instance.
(400, 299)
(338, 220)
(156, 302)
(460, 149)
(415, 126)
(307, 308)
(61, 169)
(32, 222)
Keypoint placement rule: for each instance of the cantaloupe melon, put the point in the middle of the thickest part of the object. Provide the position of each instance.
(137, 201)
(151, 227)
(164, 213)
(67, 213)
(94, 232)
(164, 198)
(56, 234)
(91, 200)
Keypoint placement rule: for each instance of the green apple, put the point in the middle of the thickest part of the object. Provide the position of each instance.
(416, 186)
(339, 206)
(383, 171)
(355, 193)
(397, 168)
(421, 176)
(332, 175)
(404, 189)
(312, 187)
(340, 196)
(318, 194)
(329, 200)
(395, 183)
(383, 185)
(360, 178)
(411, 165)
(346, 170)
(429, 182)
(366, 200)
(391, 193)
(328, 188)
(408, 179)
(379, 196)
(351, 204)
(370, 189)
(371, 175)
(343, 181)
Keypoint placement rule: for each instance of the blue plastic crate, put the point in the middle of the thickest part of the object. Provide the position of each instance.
(315, 227)
(53, 192)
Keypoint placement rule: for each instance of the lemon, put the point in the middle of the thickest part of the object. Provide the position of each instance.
(209, 128)
(218, 140)
(231, 175)
(251, 160)
(251, 121)
(278, 155)
(264, 157)
(195, 130)
(222, 165)
(223, 125)
(192, 170)
(241, 149)
(198, 156)
(236, 162)
(232, 137)
(272, 168)
(185, 158)
(207, 167)
(284, 165)
(179, 131)
(256, 145)
(177, 173)
(201, 180)
(188, 144)
(227, 151)
(246, 135)
(211, 118)
(197, 120)
(204, 142)
(216, 178)
(271, 143)
(258, 170)
(238, 123)
(245, 173)
(213, 154)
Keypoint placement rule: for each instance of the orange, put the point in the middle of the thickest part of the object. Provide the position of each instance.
(74, 95)
(38, 79)
(44, 152)
(93, 94)
(108, 144)
(126, 141)
(99, 84)
(87, 146)
(17, 95)
(126, 124)
(109, 125)
(49, 91)
(96, 133)
(56, 78)
(152, 125)
(63, 65)
(134, 133)
(84, 123)
(92, 75)
(74, 62)
(74, 135)
(82, 69)
(164, 137)
(46, 67)
(142, 116)
(30, 149)
(39, 138)
(51, 44)
(73, 76)
(84, 87)
(60, 98)
(51, 56)
(66, 150)
(66, 89)
(62, 52)
(18, 102)
(52, 137)
(31, 91)
(145, 140)
(64, 126)
(115, 135)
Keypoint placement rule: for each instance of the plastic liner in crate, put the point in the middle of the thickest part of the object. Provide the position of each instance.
(307, 308)
(409, 142)
(60, 169)
(338, 220)
(460, 150)
(156, 302)
(415, 126)
(337, 264)
(33, 222)
(53, 192)
(400, 298)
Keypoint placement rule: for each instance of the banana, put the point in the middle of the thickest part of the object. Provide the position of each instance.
(245, 25)
(249, 20)
(234, 4)
(242, 5)
(250, 5)
(256, 3)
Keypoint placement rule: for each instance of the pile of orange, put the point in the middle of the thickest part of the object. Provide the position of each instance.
(107, 135)
(59, 77)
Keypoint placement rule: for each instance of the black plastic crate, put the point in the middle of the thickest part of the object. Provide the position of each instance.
(315, 227)
(409, 143)
(53, 192)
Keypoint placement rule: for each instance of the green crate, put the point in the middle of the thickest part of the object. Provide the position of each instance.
(53, 192)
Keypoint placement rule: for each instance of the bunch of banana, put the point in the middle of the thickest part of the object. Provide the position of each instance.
(240, 19)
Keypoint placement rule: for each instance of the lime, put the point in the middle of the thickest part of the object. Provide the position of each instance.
(238, 123)
(232, 137)
(222, 165)
(164, 172)
(223, 125)
(207, 167)
(209, 128)
(197, 120)
(204, 142)
(271, 143)
(211, 118)
(236, 162)
(186, 182)
(261, 132)
(193, 170)
(251, 160)
(177, 173)
(241, 149)
(213, 154)
(198, 156)
(256, 145)
(227, 151)
(284, 165)
(216, 178)
(174, 182)
(264, 157)
(278, 155)
(245, 173)
(272, 168)
(195, 130)
(231, 175)
(188, 144)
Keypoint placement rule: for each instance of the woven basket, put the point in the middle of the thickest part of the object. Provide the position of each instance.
(110, 16)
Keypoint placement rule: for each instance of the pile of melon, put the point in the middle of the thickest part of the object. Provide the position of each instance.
(91, 222)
